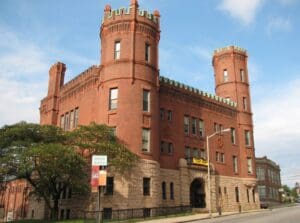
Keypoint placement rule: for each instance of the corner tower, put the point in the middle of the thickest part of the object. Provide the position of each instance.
(232, 82)
(129, 80)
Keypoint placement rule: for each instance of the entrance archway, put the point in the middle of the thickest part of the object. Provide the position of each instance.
(197, 193)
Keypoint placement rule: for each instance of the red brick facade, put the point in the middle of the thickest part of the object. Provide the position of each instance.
(161, 120)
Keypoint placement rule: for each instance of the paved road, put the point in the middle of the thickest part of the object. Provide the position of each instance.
(280, 215)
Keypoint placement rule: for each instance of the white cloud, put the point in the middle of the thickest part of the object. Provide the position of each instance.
(243, 10)
(277, 121)
(278, 24)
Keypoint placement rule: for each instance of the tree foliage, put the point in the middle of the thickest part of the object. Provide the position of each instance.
(52, 160)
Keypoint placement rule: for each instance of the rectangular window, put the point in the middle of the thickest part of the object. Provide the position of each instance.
(201, 128)
(146, 100)
(117, 50)
(76, 116)
(107, 213)
(225, 75)
(233, 140)
(217, 156)
(68, 214)
(164, 190)
(237, 194)
(244, 103)
(147, 52)
(222, 158)
(242, 74)
(113, 98)
(260, 172)
(235, 164)
(162, 114)
(248, 196)
(146, 140)
(109, 189)
(72, 119)
(196, 153)
(216, 127)
(249, 165)
(67, 122)
(172, 191)
(62, 121)
(188, 154)
(262, 191)
(146, 186)
(170, 148)
(247, 138)
(186, 125)
(170, 115)
(194, 126)
(202, 154)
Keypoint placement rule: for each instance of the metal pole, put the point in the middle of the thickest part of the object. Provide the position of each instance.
(208, 177)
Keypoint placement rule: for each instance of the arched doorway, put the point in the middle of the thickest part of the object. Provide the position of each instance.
(197, 193)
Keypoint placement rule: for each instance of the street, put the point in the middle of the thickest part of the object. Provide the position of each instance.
(280, 215)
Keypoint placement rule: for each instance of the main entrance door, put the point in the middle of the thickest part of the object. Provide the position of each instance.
(197, 193)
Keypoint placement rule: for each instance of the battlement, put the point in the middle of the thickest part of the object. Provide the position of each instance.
(91, 71)
(197, 91)
(230, 48)
(123, 12)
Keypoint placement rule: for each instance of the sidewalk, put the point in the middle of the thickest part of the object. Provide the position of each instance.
(195, 217)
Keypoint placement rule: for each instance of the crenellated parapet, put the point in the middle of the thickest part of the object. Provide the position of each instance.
(231, 49)
(198, 92)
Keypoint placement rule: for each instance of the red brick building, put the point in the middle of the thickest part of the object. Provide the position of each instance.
(163, 121)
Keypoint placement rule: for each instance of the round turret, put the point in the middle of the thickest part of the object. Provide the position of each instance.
(130, 75)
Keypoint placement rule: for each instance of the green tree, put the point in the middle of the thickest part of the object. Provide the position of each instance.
(52, 160)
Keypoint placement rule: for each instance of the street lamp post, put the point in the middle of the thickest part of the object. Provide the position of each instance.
(208, 167)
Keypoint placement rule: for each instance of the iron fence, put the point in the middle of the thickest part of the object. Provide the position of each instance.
(108, 214)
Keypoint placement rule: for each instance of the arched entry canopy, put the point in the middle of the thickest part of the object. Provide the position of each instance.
(197, 193)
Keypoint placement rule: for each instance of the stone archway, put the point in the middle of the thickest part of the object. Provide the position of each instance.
(197, 193)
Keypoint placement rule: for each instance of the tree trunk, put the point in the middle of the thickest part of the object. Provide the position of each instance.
(54, 210)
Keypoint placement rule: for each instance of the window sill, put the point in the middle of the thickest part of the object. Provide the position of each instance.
(147, 113)
(147, 153)
(112, 112)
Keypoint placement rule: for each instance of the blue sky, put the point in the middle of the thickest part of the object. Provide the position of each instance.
(35, 34)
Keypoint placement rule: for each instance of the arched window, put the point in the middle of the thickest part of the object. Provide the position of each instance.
(237, 196)
(171, 191)
(163, 187)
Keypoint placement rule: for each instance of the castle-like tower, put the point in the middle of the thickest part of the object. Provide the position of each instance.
(164, 122)
(232, 83)
(129, 56)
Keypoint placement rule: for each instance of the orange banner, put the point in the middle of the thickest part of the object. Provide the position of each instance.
(102, 177)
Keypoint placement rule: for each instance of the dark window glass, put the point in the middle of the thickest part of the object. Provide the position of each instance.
(146, 186)
(109, 189)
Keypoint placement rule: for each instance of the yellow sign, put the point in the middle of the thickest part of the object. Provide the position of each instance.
(200, 162)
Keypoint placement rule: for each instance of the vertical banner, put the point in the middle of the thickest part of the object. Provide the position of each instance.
(95, 178)
(102, 177)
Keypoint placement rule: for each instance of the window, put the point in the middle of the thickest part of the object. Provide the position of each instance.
(163, 188)
(249, 165)
(194, 123)
(76, 115)
(146, 140)
(248, 197)
(260, 172)
(247, 138)
(186, 125)
(242, 74)
(147, 52)
(237, 196)
(162, 114)
(235, 164)
(170, 115)
(67, 122)
(188, 153)
(220, 191)
(113, 98)
(201, 128)
(225, 190)
(146, 186)
(71, 119)
(109, 189)
(202, 154)
(146, 100)
(62, 214)
(68, 214)
(262, 191)
(196, 153)
(62, 121)
(244, 103)
(107, 213)
(217, 156)
(225, 75)
(222, 158)
(233, 136)
(172, 191)
(170, 148)
(117, 50)
(146, 212)
(253, 195)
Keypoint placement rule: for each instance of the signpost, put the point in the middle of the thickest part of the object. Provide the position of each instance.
(98, 178)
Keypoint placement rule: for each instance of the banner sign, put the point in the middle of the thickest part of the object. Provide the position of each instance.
(102, 178)
(95, 178)
(99, 160)
(200, 162)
